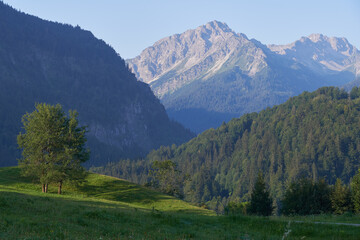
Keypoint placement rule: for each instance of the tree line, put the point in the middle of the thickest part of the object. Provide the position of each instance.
(312, 136)
(303, 197)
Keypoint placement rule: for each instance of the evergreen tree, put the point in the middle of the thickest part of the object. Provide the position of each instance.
(260, 202)
(355, 190)
(340, 198)
(305, 197)
(53, 146)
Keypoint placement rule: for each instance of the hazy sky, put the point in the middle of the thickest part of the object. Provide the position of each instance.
(132, 25)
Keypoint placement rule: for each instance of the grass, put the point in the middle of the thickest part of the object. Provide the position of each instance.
(325, 218)
(110, 208)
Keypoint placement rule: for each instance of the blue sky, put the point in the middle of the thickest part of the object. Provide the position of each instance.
(132, 25)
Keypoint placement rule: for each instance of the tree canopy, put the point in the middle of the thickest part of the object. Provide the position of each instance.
(53, 146)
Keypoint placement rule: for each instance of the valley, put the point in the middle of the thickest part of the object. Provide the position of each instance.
(205, 134)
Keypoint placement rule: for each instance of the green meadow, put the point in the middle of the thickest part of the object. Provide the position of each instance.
(109, 208)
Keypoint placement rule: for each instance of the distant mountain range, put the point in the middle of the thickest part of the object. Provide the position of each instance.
(42, 61)
(210, 74)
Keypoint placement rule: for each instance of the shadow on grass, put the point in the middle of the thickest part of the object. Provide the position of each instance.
(47, 216)
(108, 188)
(102, 188)
(39, 215)
(10, 199)
(10, 175)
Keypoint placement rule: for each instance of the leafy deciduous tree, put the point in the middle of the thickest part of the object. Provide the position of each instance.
(340, 198)
(167, 178)
(355, 190)
(53, 146)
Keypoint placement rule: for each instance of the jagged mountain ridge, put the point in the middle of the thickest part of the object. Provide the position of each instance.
(42, 61)
(198, 53)
(321, 53)
(210, 74)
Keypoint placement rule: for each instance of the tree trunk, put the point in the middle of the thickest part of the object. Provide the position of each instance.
(59, 189)
(46, 188)
(43, 187)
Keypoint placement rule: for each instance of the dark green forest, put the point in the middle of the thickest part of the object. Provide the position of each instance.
(43, 61)
(314, 135)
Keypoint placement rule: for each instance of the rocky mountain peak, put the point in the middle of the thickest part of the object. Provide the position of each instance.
(337, 44)
(210, 74)
(316, 37)
(194, 54)
(216, 27)
(321, 53)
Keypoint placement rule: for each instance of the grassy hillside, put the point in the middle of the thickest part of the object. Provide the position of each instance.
(110, 208)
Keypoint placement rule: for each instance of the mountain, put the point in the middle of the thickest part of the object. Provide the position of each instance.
(42, 61)
(322, 54)
(210, 74)
(313, 135)
(193, 54)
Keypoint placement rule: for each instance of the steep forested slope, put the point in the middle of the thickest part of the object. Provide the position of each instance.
(42, 61)
(314, 135)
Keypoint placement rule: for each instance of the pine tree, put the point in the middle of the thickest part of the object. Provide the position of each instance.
(260, 202)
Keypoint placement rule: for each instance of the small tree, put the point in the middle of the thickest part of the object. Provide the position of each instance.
(53, 146)
(355, 192)
(260, 203)
(340, 198)
(167, 178)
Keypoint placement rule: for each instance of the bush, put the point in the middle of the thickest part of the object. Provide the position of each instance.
(236, 208)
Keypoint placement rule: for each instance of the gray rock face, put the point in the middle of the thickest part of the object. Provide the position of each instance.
(212, 70)
(322, 54)
(200, 53)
